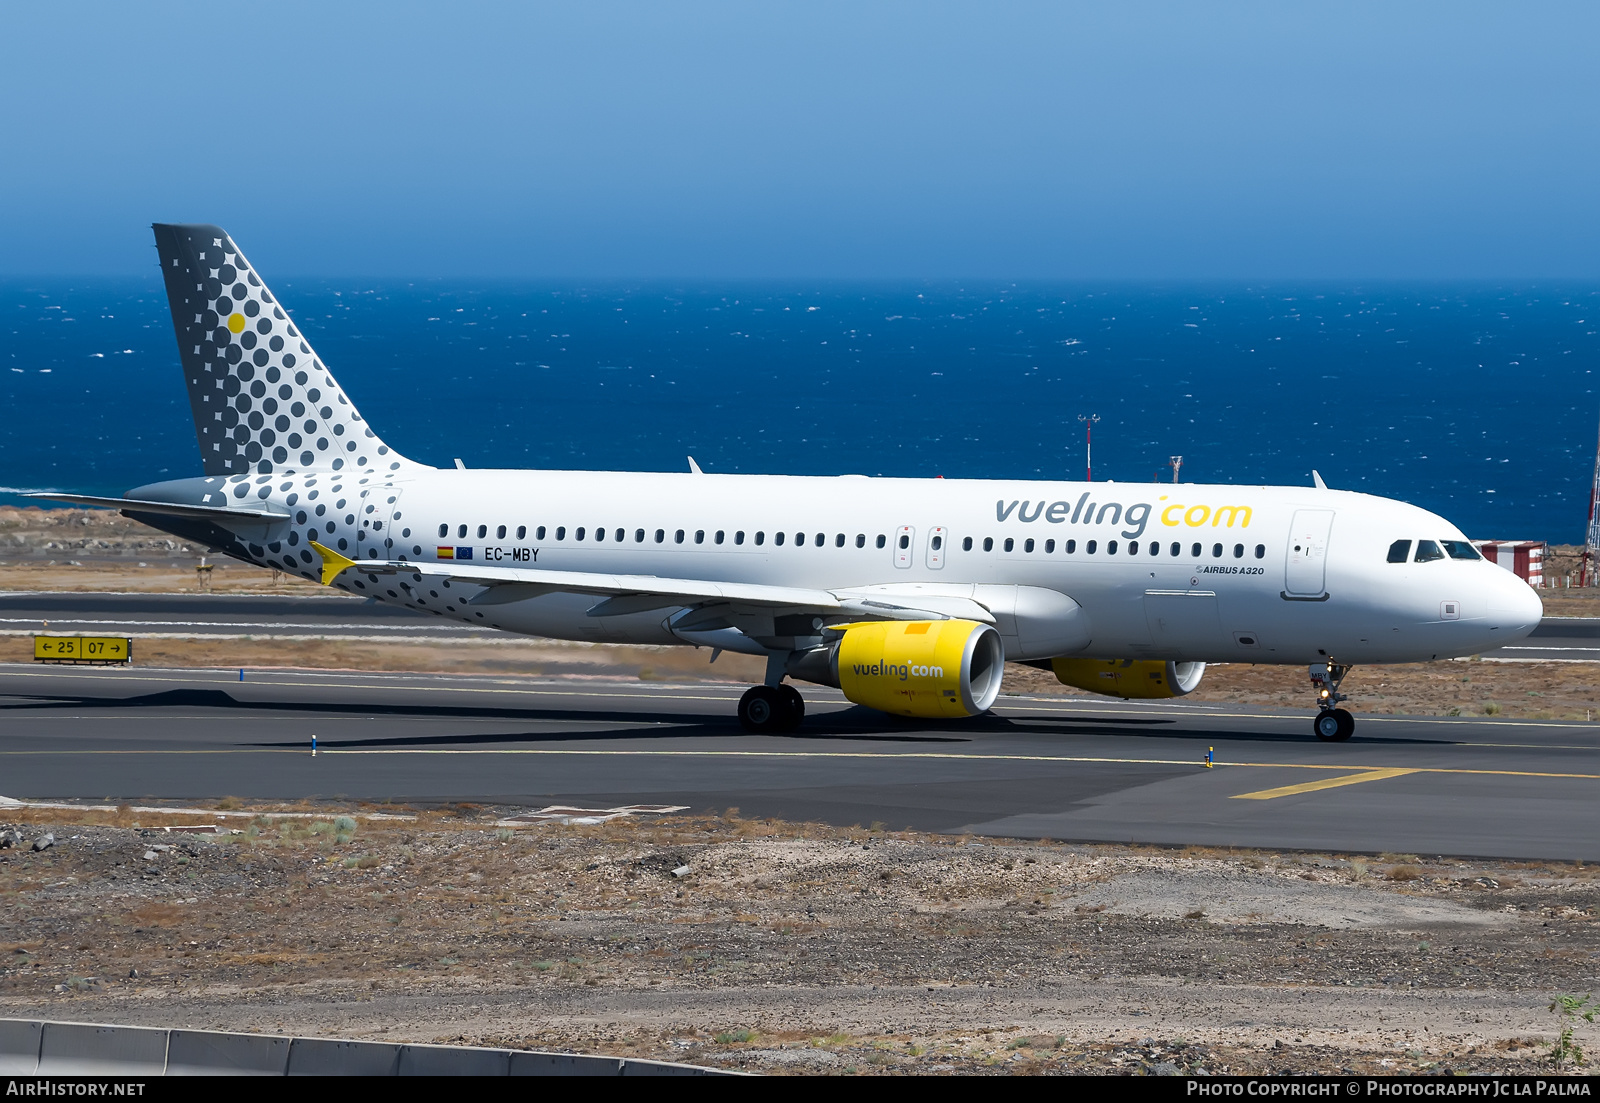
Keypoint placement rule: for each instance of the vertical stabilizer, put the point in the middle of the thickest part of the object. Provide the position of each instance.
(262, 400)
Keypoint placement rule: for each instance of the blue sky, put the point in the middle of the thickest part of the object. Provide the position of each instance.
(814, 139)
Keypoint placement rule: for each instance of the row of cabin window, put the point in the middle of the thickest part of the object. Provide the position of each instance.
(1428, 551)
(1090, 547)
(678, 536)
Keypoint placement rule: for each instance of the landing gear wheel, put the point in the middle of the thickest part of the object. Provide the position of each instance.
(763, 710)
(792, 706)
(1334, 725)
(1347, 725)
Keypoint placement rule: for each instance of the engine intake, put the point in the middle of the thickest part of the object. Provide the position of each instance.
(1129, 678)
(926, 668)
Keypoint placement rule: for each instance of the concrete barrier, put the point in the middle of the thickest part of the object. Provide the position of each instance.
(19, 1046)
(86, 1049)
(215, 1053)
(453, 1061)
(29, 1047)
(327, 1057)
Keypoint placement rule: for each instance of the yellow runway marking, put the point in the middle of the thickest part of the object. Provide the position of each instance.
(1329, 783)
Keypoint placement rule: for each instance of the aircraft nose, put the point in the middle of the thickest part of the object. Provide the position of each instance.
(1515, 606)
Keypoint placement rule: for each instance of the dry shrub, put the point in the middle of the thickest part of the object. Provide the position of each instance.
(1404, 873)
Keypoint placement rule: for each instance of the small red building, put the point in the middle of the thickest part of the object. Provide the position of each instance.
(1523, 558)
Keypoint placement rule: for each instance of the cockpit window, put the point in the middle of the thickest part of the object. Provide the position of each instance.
(1460, 549)
(1399, 551)
(1427, 551)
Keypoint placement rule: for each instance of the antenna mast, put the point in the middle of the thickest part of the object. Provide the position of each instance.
(1591, 537)
(1088, 444)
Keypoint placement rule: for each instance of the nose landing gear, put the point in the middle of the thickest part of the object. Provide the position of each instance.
(1333, 724)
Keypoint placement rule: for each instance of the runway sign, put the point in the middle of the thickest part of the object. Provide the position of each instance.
(82, 649)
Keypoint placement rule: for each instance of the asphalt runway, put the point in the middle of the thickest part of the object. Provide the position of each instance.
(331, 614)
(1066, 769)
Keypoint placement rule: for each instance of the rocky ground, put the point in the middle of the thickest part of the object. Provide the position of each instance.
(785, 947)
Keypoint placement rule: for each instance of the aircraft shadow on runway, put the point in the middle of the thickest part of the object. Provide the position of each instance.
(856, 723)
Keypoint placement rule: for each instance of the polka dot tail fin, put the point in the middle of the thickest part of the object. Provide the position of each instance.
(263, 402)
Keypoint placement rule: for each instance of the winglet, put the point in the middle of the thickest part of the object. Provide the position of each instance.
(694, 468)
(1317, 481)
(332, 563)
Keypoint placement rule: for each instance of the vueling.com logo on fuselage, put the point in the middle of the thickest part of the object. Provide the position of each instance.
(1136, 517)
(902, 671)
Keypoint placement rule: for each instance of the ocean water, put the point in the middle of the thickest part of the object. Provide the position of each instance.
(1477, 401)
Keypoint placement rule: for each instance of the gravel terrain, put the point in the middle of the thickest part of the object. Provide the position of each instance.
(792, 947)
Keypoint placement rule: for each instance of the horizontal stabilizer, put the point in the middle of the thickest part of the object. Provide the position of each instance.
(219, 514)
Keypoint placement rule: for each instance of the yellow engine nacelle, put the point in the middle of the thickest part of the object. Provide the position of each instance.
(928, 668)
(1129, 678)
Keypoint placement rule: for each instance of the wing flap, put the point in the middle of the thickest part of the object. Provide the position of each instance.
(220, 514)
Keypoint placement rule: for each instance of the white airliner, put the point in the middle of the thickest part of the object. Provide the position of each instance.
(909, 595)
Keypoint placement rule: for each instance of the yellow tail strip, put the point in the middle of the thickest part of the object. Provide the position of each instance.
(332, 563)
(1330, 783)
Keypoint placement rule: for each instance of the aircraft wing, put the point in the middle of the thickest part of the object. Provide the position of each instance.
(622, 594)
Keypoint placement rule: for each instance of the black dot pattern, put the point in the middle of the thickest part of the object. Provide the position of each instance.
(263, 402)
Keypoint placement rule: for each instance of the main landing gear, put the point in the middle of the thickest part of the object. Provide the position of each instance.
(770, 710)
(1333, 724)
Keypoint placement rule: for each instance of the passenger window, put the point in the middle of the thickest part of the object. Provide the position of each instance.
(1400, 551)
(621, 534)
(1089, 547)
(1177, 549)
(966, 544)
(1155, 548)
(1070, 546)
(699, 536)
(799, 539)
(1049, 546)
(1428, 551)
(1027, 545)
(1238, 551)
(905, 542)
(738, 537)
(1111, 547)
(1261, 551)
(777, 538)
(483, 530)
(461, 532)
(1010, 543)
(522, 532)
(677, 537)
(1133, 547)
(1455, 549)
(500, 533)
(881, 540)
(561, 532)
(861, 540)
(638, 536)
(1216, 551)
(938, 542)
(661, 535)
(539, 533)
(988, 543)
(838, 541)
(599, 534)
(718, 537)
(822, 538)
(578, 534)
(761, 538)
(444, 530)
(1194, 551)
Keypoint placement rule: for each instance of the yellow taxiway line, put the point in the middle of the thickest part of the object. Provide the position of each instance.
(1328, 783)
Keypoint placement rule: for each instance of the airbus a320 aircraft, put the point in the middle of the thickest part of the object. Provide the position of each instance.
(909, 595)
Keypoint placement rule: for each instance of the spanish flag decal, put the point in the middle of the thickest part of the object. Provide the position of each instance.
(446, 553)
